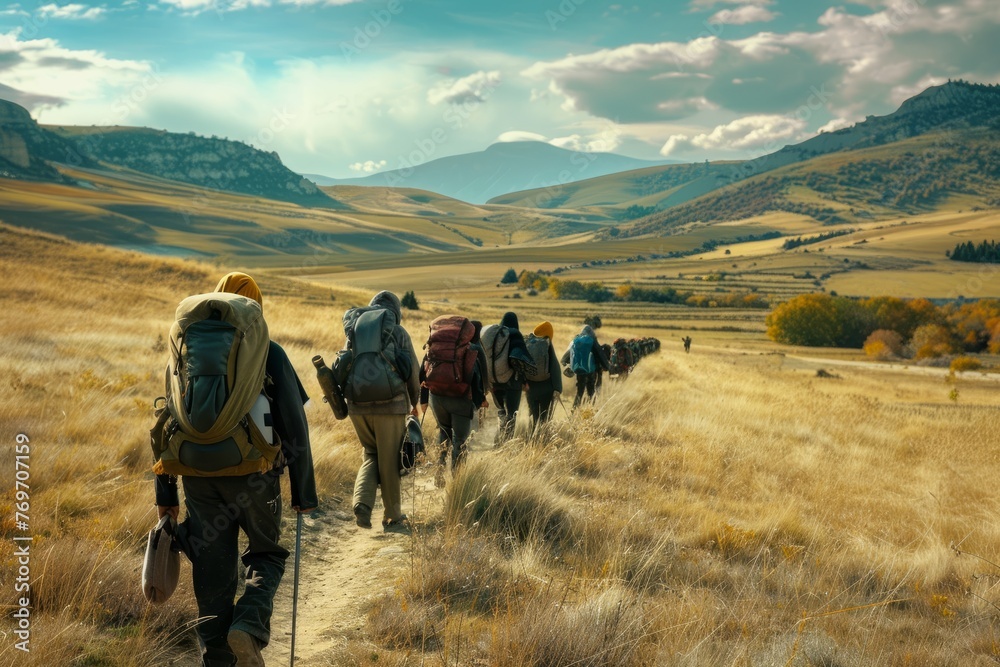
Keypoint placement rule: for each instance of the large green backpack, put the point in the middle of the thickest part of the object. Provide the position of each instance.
(214, 386)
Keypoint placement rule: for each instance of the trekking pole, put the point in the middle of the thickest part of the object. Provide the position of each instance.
(295, 586)
(565, 409)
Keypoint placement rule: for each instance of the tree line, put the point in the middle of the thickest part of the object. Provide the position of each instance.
(987, 252)
(888, 327)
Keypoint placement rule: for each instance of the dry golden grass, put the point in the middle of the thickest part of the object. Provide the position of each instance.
(717, 508)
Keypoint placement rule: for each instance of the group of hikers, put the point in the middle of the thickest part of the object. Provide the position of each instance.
(233, 421)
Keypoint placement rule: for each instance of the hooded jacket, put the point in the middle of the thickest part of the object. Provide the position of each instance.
(404, 402)
(599, 356)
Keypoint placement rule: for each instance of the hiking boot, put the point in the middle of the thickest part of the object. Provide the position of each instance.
(400, 525)
(247, 649)
(363, 515)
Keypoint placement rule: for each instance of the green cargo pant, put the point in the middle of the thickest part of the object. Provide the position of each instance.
(381, 436)
(217, 508)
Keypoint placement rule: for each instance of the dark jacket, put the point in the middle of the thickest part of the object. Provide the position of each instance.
(599, 356)
(289, 421)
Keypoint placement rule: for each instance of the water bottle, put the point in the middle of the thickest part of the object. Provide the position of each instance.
(331, 391)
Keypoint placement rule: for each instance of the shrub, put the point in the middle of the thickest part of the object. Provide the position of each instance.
(509, 278)
(931, 341)
(959, 364)
(808, 319)
(884, 344)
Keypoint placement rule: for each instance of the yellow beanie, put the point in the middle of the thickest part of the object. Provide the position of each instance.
(242, 284)
(544, 330)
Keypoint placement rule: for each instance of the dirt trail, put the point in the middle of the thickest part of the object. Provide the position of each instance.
(344, 568)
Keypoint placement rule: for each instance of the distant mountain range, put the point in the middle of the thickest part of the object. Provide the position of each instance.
(500, 169)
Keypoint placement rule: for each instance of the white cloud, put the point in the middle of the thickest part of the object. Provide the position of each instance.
(697, 5)
(858, 63)
(195, 7)
(747, 133)
(520, 135)
(474, 88)
(368, 166)
(604, 141)
(71, 12)
(834, 125)
(743, 15)
(43, 69)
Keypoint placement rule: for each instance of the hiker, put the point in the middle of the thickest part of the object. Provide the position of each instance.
(507, 358)
(583, 357)
(380, 348)
(219, 506)
(452, 381)
(622, 360)
(687, 344)
(544, 383)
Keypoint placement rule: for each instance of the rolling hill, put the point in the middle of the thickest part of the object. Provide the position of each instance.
(917, 175)
(220, 164)
(952, 113)
(500, 169)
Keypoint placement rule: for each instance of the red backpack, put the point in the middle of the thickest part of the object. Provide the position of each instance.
(449, 363)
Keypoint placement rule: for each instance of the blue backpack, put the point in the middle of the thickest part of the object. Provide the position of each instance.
(581, 355)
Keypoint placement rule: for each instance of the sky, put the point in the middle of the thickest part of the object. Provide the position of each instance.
(347, 88)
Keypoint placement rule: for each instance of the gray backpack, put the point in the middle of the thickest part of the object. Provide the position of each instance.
(496, 344)
(538, 348)
(369, 370)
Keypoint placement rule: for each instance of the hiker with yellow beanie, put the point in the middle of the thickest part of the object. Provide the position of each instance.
(545, 383)
(234, 630)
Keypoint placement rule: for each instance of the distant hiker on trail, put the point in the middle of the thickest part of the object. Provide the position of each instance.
(380, 380)
(621, 358)
(583, 358)
(231, 481)
(452, 379)
(687, 344)
(545, 381)
(507, 359)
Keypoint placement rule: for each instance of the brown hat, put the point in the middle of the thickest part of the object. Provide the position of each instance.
(162, 566)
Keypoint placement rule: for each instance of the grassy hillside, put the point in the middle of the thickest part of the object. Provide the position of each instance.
(716, 508)
(909, 177)
(653, 187)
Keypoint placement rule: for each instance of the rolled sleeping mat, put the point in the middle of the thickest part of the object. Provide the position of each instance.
(162, 565)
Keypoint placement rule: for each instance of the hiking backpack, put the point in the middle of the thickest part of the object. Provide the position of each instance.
(372, 368)
(496, 344)
(215, 418)
(538, 348)
(621, 356)
(449, 362)
(581, 355)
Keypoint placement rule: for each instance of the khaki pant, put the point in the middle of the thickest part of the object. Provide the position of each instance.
(380, 437)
